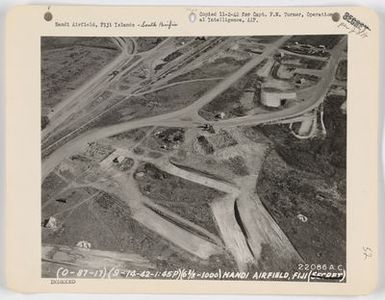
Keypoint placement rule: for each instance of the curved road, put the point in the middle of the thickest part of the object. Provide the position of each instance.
(175, 118)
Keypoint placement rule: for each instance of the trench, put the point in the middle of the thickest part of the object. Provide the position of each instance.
(180, 224)
(242, 226)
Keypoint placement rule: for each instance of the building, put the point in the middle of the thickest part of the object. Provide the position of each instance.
(300, 81)
(220, 115)
(271, 97)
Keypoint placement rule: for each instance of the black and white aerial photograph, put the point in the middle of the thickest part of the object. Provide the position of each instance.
(194, 157)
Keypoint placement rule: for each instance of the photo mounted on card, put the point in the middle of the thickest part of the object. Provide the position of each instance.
(192, 149)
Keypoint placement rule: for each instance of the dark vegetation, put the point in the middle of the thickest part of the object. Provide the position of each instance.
(222, 139)
(165, 139)
(44, 122)
(308, 80)
(314, 45)
(342, 70)
(124, 165)
(172, 56)
(130, 136)
(237, 165)
(287, 192)
(148, 43)
(293, 181)
(329, 41)
(206, 146)
(271, 259)
(98, 152)
(303, 62)
(266, 39)
(324, 156)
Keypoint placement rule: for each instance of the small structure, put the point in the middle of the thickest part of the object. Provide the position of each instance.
(169, 137)
(302, 218)
(83, 244)
(139, 174)
(207, 127)
(221, 115)
(118, 159)
(51, 223)
(61, 200)
(300, 81)
(113, 74)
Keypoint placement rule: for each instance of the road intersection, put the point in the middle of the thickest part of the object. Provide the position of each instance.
(243, 236)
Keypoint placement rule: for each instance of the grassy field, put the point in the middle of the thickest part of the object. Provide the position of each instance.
(237, 165)
(164, 139)
(155, 103)
(188, 199)
(218, 68)
(51, 186)
(129, 138)
(66, 63)
(117, 231)
(50, 43)
(229, 101)
(138, 74)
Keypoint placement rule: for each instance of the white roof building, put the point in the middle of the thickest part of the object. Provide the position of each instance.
(276, 98)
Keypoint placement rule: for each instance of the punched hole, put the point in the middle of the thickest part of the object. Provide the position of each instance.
(336, 17)
(48, 16)
(192, 17)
